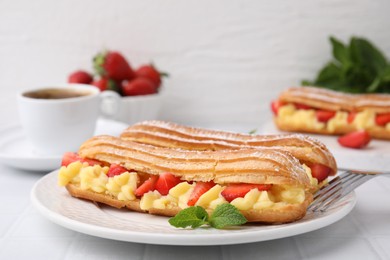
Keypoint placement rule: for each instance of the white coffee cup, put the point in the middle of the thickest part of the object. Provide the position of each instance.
(55, 125)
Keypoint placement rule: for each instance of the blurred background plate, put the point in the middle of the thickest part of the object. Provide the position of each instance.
(375, 157)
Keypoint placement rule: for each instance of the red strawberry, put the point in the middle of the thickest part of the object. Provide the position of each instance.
(302, 106)
(113, 65)
(324, 115)
(382, 119)
(106, 84)
(81, 77)
(351, 117)
(199, 190)
(150, 72)
(275, 105)
(358, 139)
(320, 172)
(239, 190)
(138, 86)
(116, 169)
(70, 157)
(148, 185)
(165, 182)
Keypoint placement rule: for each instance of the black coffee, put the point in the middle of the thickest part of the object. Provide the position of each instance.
(56, 93)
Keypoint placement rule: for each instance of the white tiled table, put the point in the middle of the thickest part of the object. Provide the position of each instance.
(25, 234)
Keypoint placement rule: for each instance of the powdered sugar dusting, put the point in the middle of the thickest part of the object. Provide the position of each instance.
(345, 100)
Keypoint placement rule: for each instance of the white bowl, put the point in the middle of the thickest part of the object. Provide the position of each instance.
(134, 109)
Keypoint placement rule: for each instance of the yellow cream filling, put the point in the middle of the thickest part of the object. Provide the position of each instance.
(122, 187)
(298, 118)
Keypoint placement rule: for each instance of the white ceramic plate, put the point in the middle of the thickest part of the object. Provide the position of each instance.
(375, 157)
(17, 152)
(83, 216)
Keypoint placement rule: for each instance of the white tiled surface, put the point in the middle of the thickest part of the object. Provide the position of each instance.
(25, 234)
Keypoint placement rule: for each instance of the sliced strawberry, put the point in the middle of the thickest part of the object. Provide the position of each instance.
(358, 139)
(382, 119)
(239, 190)
(199, 190)
(302, 106)
(91, 162)
(351, 117)
(70, 157)
(116, 169)
(275, 105)
(324, 115)
(320, 171)
(148, 185)
(165, 182)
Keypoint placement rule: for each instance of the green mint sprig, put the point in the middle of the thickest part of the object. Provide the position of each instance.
(223, 216)
(253, 131)
(357, 67)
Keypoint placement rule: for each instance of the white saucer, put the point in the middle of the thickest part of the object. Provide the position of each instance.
(16, 151)
(375, 157)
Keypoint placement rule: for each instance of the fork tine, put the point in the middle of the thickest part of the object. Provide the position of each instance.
(338, 187)
(333, 183)
(333, 194)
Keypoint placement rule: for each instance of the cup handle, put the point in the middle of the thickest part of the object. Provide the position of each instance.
(109, 103)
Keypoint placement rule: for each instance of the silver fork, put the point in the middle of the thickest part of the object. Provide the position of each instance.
(340, 187)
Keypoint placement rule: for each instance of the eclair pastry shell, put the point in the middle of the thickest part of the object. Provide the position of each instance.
(336, 101)
(263, 165)
(332, 100)
(281, 214)
(166, 134)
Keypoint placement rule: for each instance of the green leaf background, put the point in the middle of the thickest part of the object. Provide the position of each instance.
(359, 67)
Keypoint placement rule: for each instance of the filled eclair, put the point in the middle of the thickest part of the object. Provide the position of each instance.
(322, 111)
(308, 151)
(265, 184)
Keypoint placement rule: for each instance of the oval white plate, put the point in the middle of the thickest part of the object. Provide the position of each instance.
(17, 152)
(84, 216)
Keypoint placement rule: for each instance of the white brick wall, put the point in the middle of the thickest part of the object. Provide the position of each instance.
(226, 58)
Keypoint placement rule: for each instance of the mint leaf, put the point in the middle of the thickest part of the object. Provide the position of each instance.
(190, 217)
(340, 51)
(252, 132)
(366, 54)
(330, 76)
(226, 215)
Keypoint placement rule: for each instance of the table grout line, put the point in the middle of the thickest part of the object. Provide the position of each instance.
(12, 227)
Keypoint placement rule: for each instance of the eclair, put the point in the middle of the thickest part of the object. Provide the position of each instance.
(308, 151)
(322, 111)
(266, 185)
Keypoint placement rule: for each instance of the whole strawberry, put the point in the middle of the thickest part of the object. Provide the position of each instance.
(138, 86)
(106, 84)
(113, 65)
(80, 76)
(150, 72)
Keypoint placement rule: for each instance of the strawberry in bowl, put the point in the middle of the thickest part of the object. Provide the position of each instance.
(139, 87)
